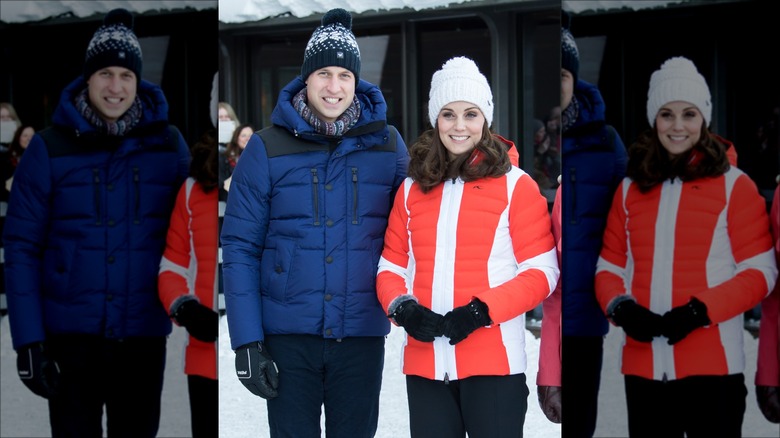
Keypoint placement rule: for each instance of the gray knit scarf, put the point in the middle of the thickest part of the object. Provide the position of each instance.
(570, 114)
(333, 129)
(119, 128)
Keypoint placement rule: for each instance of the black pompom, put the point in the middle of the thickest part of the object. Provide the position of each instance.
(119, 16)
(338, 16)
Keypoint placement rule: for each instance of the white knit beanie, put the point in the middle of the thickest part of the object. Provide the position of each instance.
(459, 80)
(678, 80)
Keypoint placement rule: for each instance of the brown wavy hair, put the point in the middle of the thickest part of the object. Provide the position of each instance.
(203, 166)
(649, 164)
(430, 164)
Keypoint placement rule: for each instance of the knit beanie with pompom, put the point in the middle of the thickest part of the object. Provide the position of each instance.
(459, 80)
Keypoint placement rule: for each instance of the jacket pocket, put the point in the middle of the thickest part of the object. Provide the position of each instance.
(136, 195)
(276, 263)
(57, 263)
(315, 196)
(354, 196)
(96, 195)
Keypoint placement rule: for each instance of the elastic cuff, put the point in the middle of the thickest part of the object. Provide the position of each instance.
(398, 301)
(179, 301)
(615, 302)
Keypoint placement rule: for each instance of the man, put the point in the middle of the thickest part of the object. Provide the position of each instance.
(301, 240)
(595, 164)
(83, 237)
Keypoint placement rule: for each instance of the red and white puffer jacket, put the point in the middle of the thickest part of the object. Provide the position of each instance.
(708, 238)
(488, 239)
(189, 266)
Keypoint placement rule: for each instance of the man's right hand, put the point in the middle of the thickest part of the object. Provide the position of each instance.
(256, 370)
(37, 370)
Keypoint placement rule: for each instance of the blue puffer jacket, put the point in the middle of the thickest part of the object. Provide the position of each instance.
(594, 163)
(86, 226)
(304, 227)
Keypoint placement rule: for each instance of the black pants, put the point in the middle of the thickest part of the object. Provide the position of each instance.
(340, 377)
(580, 380)
(124, 376)
(204, 409)
(483, 406)
(696, 407)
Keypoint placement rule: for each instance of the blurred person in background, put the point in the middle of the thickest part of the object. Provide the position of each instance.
(768, 370)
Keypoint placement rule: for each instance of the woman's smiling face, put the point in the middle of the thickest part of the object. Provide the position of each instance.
(459, 125)
(678, 125)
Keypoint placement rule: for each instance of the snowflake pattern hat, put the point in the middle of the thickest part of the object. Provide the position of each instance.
(678, 80)
(332, 44)
(114, 44)
(459, 80)
(570, 56)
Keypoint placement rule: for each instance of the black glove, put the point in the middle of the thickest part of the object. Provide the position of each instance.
(200, 321)
(682, 320)
(37, 370)
(419, 321)
(256, 370)
(550, 402)
(769, 402)
(637, 321)
(461, 321)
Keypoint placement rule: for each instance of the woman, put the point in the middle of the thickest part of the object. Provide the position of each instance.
(686, 251)
(9, 122)
(768, 369)
(227, 123)
(186, 282)
(21, 139)
(16, 149)
(468, 251)
(229, 157)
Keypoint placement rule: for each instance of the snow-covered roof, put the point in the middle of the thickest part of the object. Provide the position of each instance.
(240, 11)
(579, 6)
(21, 11)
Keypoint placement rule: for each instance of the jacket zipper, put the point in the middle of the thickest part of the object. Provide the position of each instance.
(573, 195)
(137, 184)
(96, 190)
(314, 182)
(354, 196)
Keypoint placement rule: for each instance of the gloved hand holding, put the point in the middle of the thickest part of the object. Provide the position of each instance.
(256, 370)
(550, 402)
(462, 321)
(200, 321)
(769, 402)
(637, 321)
(420, 322)
(682, 320)
(39, 372)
